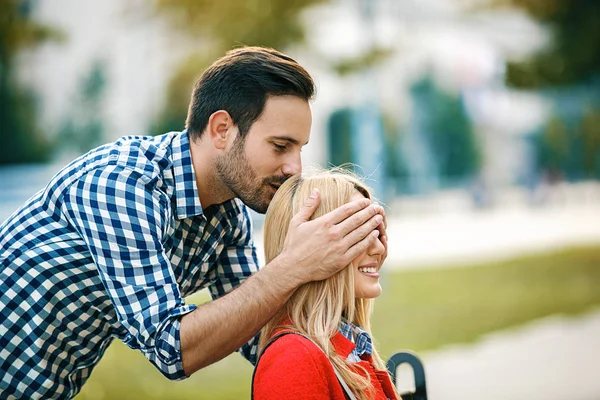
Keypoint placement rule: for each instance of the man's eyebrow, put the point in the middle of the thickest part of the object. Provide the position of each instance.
(288, 139)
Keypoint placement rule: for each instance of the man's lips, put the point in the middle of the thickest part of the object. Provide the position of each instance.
(276, 181)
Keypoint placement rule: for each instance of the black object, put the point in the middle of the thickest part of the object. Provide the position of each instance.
(411, 359)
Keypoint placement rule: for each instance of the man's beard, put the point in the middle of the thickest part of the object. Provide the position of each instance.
(235, 171)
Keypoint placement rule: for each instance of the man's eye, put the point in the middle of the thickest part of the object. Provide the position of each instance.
(279, 147)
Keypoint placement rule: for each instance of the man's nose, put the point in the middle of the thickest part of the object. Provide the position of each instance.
(293, 165)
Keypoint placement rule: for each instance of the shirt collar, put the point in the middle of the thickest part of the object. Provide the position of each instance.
(359, 337)
(186, 191)
(351, 341)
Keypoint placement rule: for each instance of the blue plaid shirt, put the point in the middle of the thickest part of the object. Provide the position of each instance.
(108, 250)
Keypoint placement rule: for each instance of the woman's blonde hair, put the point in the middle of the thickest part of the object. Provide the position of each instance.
(318, 308)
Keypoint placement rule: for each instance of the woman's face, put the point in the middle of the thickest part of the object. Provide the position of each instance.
(366, 267)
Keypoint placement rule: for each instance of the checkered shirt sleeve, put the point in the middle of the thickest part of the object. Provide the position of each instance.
(123, 219)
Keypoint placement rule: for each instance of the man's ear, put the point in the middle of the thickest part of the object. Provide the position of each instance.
(221, 129)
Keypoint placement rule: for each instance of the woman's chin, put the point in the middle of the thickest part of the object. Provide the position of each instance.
(369, 293)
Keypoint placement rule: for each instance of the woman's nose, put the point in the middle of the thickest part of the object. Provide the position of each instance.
(377, 248)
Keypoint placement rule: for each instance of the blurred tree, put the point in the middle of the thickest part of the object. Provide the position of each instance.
(568, 146)
(574, 53)
(571, 63)
(83, 129)
(339, 137)
(339, 143)
(395, 165)
(553, 149)
(220, 26)
(21, 138)
(370, 57)
(448, 132)
(590, 132)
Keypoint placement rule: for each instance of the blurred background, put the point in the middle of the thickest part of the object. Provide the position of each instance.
(477, 123)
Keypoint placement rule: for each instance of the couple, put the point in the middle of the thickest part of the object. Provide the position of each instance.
(116, 240)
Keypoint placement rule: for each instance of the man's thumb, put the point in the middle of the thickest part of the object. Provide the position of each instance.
(310, 205)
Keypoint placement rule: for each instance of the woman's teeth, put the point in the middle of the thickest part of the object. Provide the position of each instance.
(368, 270)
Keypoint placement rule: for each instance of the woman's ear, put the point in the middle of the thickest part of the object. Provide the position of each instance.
(221, 129)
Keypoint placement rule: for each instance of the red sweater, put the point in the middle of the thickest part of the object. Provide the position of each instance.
(295, 368)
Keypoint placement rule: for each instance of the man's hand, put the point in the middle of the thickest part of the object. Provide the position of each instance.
(315, 250)
(383, 238)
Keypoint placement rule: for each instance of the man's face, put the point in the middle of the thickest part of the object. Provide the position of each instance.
(256, 166)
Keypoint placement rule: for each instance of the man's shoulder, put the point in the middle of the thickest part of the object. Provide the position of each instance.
(140, 151)
(146, 155)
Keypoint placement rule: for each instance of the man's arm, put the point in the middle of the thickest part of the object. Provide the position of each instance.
(122, 219)
(314, 250)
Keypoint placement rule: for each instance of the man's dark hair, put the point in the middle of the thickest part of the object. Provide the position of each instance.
(240, 83)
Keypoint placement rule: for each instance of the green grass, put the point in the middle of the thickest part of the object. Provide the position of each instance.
(419, 310)
(423, 310)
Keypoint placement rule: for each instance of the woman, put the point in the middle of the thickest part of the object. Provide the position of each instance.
(319, 346)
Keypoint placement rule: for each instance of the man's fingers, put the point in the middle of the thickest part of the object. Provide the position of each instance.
(363, 231)
(384, 241)
(361, 246)
(310, 205)
(382, 212)
(346, 211)
(382, 228)
(360, 218)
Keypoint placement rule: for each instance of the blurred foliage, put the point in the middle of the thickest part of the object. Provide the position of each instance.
(419, 310)
(395, 164)
(553, 151)
(21, 137)
(590, 135)
(220, 26)
(340, 148)
(369, 58)
(570, 150)
(18, 31)
(83, 129)
(574, 53)
(339, 137)
(448, 131)
(442, 124)
(567, 148)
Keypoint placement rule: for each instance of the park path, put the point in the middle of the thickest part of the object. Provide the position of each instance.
(555, 358)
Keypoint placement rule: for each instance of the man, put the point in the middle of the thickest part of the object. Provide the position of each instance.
(118, 237)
